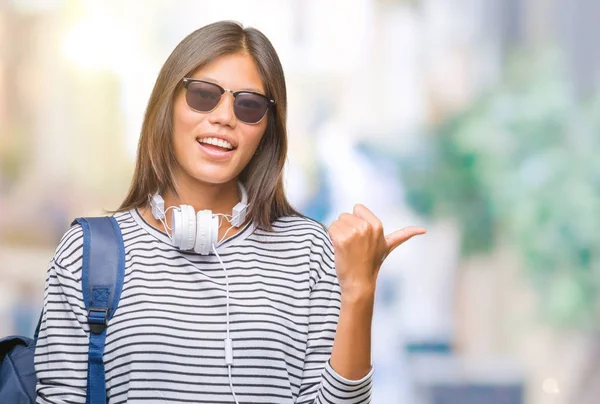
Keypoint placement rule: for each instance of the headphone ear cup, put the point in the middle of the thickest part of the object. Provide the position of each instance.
(184, 236)
(176, 227)
(203, 232)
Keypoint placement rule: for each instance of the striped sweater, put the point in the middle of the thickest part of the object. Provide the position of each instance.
(165, 343)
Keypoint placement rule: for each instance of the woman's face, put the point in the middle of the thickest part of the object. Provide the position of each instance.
(203, 162)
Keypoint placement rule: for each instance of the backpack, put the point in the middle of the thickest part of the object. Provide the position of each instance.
(102, 281)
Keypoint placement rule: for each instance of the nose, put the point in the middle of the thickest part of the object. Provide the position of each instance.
(223, 113)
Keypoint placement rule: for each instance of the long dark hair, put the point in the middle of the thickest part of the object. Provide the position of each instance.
(262, 176)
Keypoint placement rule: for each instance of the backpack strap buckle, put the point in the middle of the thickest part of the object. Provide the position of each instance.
(97, 319)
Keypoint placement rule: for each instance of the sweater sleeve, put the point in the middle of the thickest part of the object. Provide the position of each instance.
(61, 349)
(321, 384)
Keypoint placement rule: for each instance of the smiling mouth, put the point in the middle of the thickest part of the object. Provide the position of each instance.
(216, 152)
(216, 144)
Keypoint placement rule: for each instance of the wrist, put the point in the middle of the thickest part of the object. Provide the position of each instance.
(358, 294)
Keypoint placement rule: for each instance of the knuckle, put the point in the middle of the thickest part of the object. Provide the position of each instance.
(364, 228)
(378, 227)
(345, 239)
(339, 242)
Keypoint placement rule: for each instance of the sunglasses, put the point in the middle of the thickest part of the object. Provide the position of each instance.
(204, 96)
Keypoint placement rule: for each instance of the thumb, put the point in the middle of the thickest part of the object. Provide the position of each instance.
(398, 237)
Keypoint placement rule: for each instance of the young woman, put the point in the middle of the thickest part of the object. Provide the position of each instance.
(294, 301)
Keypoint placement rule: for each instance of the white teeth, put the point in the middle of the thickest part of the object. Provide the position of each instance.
(217, 142)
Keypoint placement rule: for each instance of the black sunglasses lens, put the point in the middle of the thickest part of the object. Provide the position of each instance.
(250, 108)
(202, 96)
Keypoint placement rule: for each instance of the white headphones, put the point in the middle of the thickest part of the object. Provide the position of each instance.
(200, 231)
(197, 231)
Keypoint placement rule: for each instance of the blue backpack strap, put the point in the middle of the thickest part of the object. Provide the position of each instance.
(36, 333)
(102, 281)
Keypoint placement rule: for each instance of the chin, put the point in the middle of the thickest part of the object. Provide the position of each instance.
(214, 178)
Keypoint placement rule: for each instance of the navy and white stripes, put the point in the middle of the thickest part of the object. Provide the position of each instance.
(165, 343)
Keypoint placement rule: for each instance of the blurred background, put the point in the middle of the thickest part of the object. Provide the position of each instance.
(477, 119)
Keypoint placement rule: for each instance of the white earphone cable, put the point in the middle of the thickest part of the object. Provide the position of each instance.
(225, 234)
(229, 219)
(165, 214)
(228, 341)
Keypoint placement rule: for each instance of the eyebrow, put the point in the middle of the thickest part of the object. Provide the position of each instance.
(206, 78)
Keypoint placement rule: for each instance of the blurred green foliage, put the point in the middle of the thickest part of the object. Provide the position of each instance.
(522, 163)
